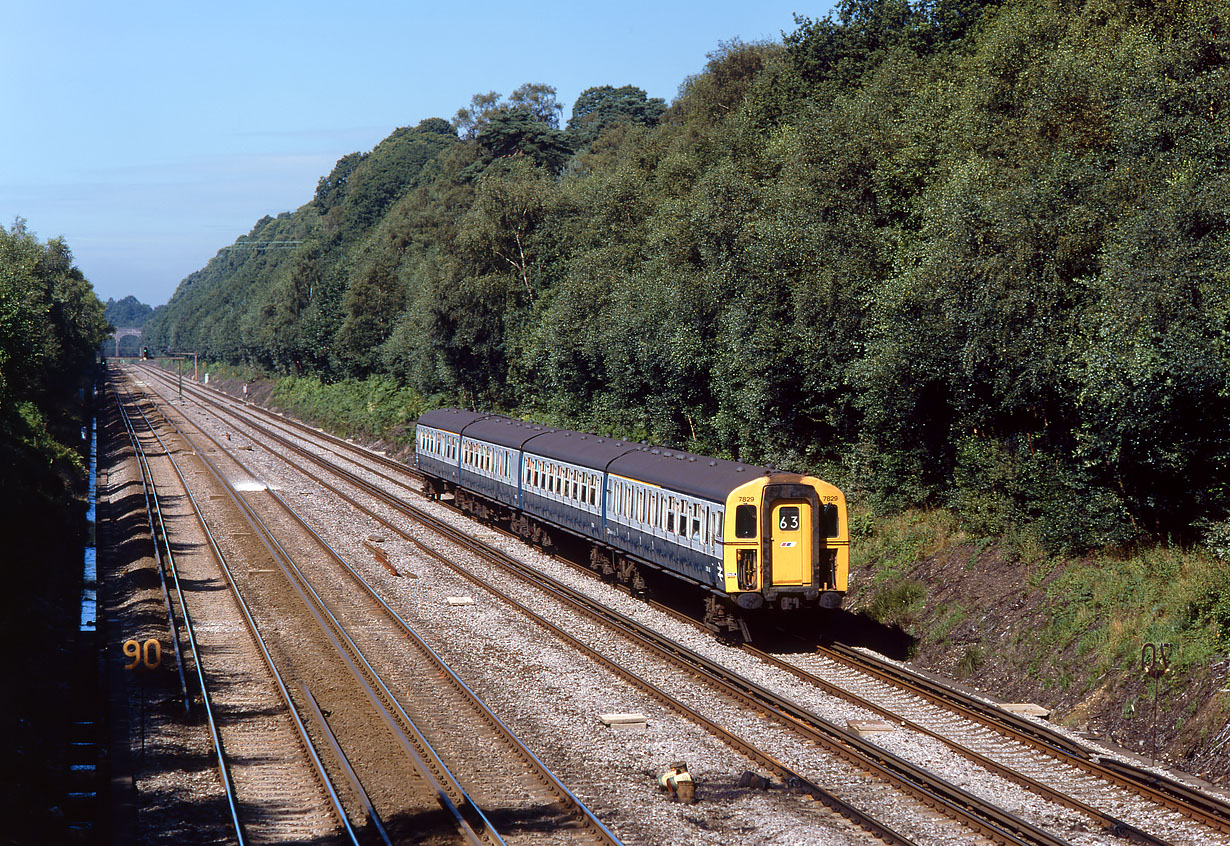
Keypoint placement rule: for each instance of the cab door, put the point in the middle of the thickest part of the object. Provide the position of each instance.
(790, 542)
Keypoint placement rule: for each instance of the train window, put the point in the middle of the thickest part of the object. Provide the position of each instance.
(829, 520)
(696, 522)
(745, 521)
(670, 515)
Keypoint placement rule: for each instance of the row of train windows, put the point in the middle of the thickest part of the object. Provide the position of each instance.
(435, 443)
(673, 515)
(578, 485)
(485, 457)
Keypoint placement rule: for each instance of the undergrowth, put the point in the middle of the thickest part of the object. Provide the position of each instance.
(376, 407)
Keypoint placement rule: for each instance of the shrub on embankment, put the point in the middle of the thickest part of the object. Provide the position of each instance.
(372, 409)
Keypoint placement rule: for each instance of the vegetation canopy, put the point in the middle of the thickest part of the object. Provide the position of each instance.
(969, 253)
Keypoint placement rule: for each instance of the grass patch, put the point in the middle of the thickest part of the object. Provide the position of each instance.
(897, 603)
(895, 543)
(970, 661)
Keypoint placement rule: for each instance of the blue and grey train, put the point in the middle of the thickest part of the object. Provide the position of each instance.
(749, 537)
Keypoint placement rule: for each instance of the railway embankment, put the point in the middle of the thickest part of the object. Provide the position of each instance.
(1067, 633)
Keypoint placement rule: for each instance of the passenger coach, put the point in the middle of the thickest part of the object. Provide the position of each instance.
(752, 538)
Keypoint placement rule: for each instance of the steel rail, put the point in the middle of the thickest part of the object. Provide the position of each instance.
(351, 775)
(317, 765)
(1110, 823)
(1158, 788)
(152, 504)
(228, 786)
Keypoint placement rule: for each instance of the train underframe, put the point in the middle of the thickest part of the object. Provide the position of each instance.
(721, 614)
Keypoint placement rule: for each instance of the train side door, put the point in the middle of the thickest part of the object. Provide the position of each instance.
(791, 542)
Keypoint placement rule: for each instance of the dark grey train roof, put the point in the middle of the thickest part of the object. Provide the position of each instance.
(578, 448)
(449, 419)
(694, 475)
(505, 431)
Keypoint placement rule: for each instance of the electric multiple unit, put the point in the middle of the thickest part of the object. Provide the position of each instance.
(751, 537)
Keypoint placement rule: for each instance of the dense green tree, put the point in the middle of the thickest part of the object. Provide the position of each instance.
(519, 131)
(599, 108)
(964, 252)
(128, 312)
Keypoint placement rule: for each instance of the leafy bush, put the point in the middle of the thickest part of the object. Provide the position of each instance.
(376, 407)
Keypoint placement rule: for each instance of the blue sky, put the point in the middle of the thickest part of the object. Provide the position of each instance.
(150, 135)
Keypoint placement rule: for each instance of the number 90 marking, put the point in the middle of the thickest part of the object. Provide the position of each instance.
(148, 654)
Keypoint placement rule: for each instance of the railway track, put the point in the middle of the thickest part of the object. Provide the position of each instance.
(1151, 786)
(1057, 746)
(266, 766)
(1003, 828)
(500, 772)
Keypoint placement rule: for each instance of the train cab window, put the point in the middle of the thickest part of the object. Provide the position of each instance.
(745, 521)
(829, 520)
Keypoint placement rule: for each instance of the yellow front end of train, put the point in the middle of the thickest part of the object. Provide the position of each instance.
(786, 543)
